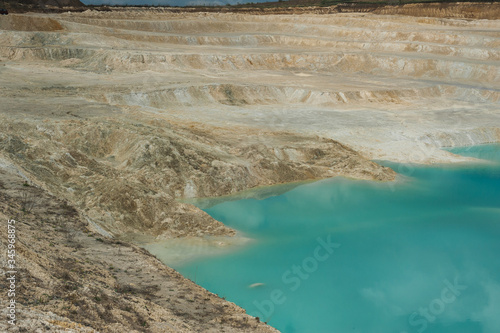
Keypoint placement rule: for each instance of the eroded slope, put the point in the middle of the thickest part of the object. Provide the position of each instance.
(72, 280)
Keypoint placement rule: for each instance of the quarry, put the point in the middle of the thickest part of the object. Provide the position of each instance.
(108, 118)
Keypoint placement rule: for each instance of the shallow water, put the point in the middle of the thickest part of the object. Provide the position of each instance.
(340, 255)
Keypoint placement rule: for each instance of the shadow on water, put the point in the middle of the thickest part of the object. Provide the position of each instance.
(258, 193)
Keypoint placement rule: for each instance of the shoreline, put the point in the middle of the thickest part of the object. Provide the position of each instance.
(200, 247)
(173, 252)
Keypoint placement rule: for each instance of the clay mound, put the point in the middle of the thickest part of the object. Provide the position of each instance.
(28, 23)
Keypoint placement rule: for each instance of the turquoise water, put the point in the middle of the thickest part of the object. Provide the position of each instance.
(345, 255)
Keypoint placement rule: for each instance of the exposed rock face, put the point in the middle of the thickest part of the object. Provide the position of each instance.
(463, 10)
(23, 23)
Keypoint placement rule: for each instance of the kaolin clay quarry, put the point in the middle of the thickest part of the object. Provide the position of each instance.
(110, 117)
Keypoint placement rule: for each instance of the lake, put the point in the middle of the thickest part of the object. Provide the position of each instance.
(342, 255)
